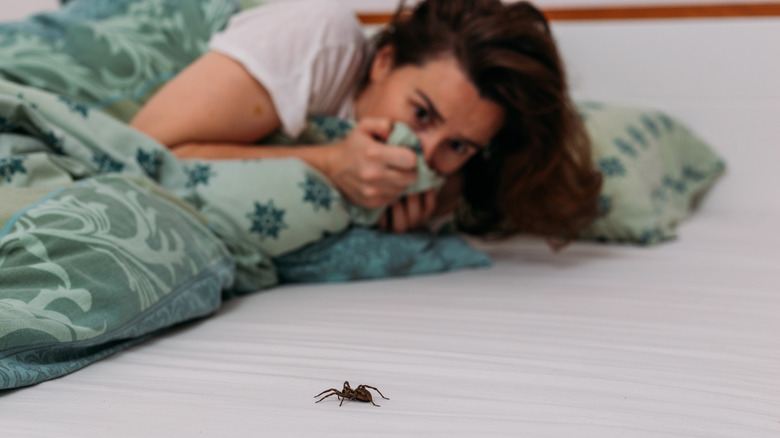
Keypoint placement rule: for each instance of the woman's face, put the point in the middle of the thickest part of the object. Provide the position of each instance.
(445, 110)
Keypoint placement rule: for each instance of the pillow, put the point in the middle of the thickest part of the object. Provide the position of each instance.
(110, 54)
(94, 268)
(362, 253)
(283, 204)
(655, 170)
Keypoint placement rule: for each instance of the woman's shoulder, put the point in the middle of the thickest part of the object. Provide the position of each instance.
(327, 21)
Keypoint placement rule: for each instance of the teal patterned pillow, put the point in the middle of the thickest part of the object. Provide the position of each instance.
(655, 170)
(110, 54)
(93, 268)
(361, 253)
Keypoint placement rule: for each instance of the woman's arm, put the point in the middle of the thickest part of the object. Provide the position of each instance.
(364, 169)
(213, 100)
(215, 109)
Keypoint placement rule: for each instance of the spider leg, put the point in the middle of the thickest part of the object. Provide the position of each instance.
(335, 392)
(371, 399)
(323, 392)
(366, 386)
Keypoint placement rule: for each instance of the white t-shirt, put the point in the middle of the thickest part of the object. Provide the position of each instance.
(308, 54)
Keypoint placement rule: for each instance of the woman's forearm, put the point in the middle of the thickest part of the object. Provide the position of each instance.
(318, 157)
(365, 170)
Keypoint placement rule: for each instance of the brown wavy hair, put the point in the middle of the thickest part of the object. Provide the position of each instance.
(537, 175)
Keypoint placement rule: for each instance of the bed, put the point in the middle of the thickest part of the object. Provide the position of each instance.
(605, 340)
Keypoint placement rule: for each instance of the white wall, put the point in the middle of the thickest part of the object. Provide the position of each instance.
(16, 9)
(719, 76)
(390, 5)
(21, 8)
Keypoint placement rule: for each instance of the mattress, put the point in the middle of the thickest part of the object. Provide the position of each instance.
(680, 339)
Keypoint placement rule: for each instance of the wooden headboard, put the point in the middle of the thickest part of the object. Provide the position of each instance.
(718, 10)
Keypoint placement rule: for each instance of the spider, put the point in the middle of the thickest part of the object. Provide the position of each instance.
(360, 394)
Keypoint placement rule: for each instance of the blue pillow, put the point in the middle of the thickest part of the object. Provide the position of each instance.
(365, 253)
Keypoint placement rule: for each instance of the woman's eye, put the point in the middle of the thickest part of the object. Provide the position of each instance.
(459, 147)
(422, 115)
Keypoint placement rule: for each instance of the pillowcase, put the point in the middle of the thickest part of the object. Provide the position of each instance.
(281, 205)
(655, 170)
(361, 253)
(110, 54)
(94, 268)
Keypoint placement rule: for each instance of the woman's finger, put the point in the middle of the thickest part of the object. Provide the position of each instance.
(398, 158)
(378, 128)
(414, 211)
(398, 217)
(398, 180)
(429, 204)
(395, 157)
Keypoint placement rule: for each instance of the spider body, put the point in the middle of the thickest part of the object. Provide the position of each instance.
(360, 393)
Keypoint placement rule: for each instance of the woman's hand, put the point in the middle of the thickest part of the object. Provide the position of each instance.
(410, 213)
(367, 171)
(415, 211)
(363, 168)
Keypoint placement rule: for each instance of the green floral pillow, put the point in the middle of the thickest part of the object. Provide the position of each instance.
(655, 170)
(279, 206)
(110, 54)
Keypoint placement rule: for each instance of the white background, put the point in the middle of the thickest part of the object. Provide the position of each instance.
(390, 5)
(20, 8)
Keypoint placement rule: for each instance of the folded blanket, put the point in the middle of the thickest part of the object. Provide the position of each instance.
(95, 267)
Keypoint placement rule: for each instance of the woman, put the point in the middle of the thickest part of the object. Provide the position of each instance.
(480, 82)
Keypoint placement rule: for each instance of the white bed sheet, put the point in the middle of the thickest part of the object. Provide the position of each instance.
(679, 340)
(599, 341)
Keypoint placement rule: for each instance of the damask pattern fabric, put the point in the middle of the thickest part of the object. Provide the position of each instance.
(91, 269)
(110, 55)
